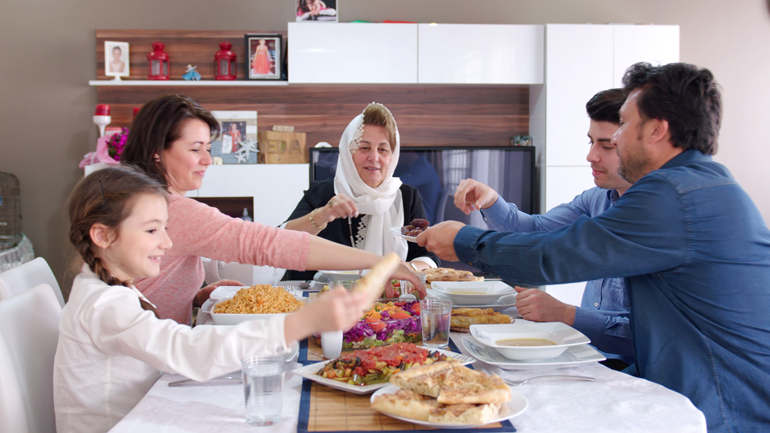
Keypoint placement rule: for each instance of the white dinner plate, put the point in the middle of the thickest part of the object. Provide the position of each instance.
(396, 231)
(350, 275)
(514, 407)
(503, 303)
(572, 356)
(473, 292)
(309, 372)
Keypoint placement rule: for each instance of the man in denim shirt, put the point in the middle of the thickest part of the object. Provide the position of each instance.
(603, 314)
(691, 244)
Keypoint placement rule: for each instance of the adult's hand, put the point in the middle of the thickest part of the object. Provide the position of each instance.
(204, 293)
(440, 238)
(340, 206)
(538, 306)
(473, 195)
(404, 272)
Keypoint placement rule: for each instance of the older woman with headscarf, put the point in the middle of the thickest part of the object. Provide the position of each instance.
(364, 200)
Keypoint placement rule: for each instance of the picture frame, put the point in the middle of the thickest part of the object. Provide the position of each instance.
(237, 142)
(116, 57)
(316, 10)
(263, 56)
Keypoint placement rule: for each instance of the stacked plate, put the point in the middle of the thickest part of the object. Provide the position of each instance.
(526, 345)
(475, 294)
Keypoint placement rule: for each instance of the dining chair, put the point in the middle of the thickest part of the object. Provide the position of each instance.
(28, 275)
(29, 332)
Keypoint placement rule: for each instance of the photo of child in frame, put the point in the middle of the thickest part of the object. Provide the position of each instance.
(263, 52)
(316, 10)
(116, 59)
(232, 134)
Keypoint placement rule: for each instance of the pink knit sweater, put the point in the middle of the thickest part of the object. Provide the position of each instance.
(198, 230)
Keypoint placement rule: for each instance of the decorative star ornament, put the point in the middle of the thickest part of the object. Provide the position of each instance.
(243, 154)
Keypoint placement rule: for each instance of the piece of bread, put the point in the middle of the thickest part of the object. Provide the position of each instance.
(465, 386)
(407, 404)
(424, 380)
(465, 413)
(378, 276)
(463, 318)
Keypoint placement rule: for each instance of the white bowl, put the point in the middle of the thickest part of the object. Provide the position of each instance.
(351, 275)
(234, 319)
(563, 335)
(473, 292)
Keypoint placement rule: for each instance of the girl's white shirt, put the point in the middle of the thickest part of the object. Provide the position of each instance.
(111, 352)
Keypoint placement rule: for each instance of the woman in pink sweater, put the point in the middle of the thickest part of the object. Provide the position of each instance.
(170, 140)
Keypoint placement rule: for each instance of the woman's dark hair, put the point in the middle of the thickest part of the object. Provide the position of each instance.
(157, 125)
(605, 106)
(106, 197)
(685, 96)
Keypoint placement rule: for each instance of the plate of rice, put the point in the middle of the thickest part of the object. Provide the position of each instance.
(254, 303)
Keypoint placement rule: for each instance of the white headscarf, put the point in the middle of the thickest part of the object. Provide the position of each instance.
(384, 204)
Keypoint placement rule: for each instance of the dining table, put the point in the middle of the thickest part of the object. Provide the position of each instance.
(614, 402)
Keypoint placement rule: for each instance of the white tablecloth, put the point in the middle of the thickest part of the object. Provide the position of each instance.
(616, 402)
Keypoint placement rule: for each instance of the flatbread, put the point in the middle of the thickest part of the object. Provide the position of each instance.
(465, 413)
(453, 383)
(407, 404)
(424, 380)
(449, 274)
(378, 276)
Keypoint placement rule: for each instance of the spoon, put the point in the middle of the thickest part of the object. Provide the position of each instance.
(304, 285)
(553, 376)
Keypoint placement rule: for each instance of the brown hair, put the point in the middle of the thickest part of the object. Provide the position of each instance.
(106, 197)
(157, 125)
(378, 115)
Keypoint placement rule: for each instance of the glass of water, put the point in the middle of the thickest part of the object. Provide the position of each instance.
(435, 315)
(263, 389)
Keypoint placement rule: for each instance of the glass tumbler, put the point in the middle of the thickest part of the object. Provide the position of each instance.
(263, 389)
(435, 315)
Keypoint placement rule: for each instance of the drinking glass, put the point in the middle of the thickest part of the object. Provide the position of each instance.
(408, 288)
(347, 284)
(435, 316)
(263, 388)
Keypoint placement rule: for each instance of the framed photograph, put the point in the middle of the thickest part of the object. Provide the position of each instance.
(116, 59)
(237, 144)
(316, 10)
(263, 56)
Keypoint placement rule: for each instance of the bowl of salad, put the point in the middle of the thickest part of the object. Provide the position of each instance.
(390, 321)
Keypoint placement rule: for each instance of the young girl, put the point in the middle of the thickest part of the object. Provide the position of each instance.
(112, 347)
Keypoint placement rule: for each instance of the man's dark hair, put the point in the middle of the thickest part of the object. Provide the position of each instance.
(685, 96)
(605, 106)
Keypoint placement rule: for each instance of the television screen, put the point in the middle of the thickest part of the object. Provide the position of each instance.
(436, 172)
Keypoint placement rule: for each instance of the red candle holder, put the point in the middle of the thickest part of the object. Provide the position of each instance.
(224, 62)
(157, 63)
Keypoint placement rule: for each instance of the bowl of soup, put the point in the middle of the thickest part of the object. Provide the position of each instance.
(472, 292)
(528, 341)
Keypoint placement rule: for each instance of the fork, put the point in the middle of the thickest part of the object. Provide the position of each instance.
(552, 376)
(229, 377)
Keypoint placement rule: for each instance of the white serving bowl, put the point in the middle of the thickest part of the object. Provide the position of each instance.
(234, 319)
(563, 335)
(473, 292)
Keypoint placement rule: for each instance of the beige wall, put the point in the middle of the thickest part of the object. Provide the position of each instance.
(48, 55)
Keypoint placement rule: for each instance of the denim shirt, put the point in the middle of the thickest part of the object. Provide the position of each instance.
(695, 253)
(603, 312)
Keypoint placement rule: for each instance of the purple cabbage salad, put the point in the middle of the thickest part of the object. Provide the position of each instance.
(362, 330)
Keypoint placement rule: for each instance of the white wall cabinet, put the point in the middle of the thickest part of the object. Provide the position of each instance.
(657, 45)
(480, 54)
(353, 53)
(276, 188)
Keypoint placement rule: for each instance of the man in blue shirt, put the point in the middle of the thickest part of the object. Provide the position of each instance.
(603, 314)
(691, 244)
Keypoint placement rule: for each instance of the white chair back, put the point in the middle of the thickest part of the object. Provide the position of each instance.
(247, 274)
(28, 275)
(29, 332)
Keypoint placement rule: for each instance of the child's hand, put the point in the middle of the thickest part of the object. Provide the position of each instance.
(334, 311)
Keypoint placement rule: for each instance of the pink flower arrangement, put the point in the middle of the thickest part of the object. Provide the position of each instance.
(108, 149)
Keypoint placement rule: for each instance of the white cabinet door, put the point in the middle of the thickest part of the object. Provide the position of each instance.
(352, 53)
(578, 64)
(276, 188)
(562, 184)
(480, 54)
(657, 45)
